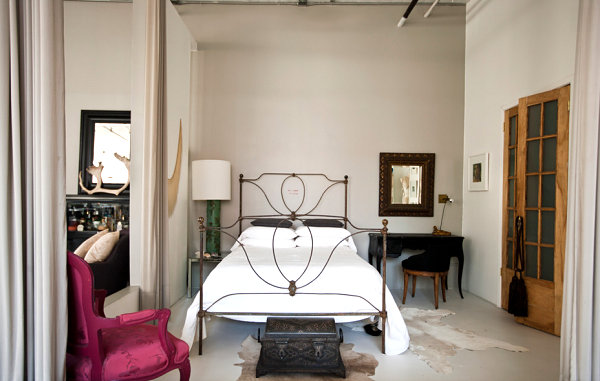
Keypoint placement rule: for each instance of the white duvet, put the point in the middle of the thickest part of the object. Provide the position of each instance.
(346, 273)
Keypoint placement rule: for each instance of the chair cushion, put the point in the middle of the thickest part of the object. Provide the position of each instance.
(432, 262)
(135, 351)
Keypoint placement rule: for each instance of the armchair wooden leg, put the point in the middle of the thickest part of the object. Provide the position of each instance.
(185, 371)
(436, 287)
(414, 284)
(405, 287)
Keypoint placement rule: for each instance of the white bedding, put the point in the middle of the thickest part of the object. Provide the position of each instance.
(346, 273)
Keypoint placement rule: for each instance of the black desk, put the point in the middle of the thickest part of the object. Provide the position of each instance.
(450, 245)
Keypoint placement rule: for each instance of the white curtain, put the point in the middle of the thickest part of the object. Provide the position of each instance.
(580, 332)
(33, 282)
(153, 180)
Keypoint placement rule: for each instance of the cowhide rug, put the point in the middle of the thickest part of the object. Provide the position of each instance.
(433, 341)
(359, 366)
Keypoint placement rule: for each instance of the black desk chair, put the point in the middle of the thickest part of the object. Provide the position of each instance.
(433, 263)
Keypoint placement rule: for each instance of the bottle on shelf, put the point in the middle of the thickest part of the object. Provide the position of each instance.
(102, 224)
(96, 220)
(81, 225)
(72, 222)
(89, 224)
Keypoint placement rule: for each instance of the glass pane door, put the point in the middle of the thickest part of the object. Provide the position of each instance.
(540, 190)
(511, 182)
(536, 151)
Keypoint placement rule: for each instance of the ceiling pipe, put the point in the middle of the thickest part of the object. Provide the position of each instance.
(407, 13)
(294, 2)
(430, 9)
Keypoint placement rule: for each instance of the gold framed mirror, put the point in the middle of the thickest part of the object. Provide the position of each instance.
(406, 184)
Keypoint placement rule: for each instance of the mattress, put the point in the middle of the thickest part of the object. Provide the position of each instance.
(235, 286)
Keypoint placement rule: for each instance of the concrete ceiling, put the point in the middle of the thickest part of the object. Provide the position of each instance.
(321, 2)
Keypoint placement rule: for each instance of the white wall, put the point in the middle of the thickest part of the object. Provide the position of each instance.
(514, 48)
(97, 68)
(326, 89)
(177, 75)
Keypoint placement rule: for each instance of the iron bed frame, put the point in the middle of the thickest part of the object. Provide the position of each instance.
(292, 288)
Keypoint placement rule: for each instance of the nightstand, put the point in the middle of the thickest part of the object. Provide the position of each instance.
(195, 259)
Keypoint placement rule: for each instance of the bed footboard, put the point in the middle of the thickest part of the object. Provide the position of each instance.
(293, 289)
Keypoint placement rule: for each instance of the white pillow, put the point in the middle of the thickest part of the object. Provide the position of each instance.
(262, 236)
(324, 236)
(278, 244)
(318, 231)
(102, 248)
(321, 242)
(266, 233)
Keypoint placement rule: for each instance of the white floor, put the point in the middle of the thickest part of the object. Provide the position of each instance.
(472, 313)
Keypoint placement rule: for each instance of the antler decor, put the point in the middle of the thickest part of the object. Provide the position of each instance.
(97, 171)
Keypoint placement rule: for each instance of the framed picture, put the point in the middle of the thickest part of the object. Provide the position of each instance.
(478, 172)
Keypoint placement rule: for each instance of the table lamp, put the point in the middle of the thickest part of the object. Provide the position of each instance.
(211, 181)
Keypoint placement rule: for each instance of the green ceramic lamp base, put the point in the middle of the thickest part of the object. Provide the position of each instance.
(213, 219)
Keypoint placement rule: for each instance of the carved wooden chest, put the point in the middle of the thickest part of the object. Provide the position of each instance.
(300, 345)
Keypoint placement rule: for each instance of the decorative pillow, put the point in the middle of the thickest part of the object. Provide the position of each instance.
(85, 245)
(102, 248)
(324, 222)
(266, 233)
(272, 222)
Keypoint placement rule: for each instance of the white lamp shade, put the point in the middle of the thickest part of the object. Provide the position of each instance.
(211, 180)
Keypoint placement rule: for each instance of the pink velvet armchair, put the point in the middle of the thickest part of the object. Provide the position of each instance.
(121, 348)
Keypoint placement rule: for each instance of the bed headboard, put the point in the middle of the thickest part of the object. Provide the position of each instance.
(304, 207)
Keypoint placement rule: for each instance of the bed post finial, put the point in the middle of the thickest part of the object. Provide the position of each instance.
(345, 179)
(201, 224)
(384, 230)
(241, 177)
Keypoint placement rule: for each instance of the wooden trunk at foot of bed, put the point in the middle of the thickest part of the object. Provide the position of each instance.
(300, 345)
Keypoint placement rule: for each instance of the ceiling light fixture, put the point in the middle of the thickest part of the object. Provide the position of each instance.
(430, 9)
(407, 13)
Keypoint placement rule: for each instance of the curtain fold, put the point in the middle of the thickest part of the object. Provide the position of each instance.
(153, 179)
(12, 287)
(33, 297)
(580, 340)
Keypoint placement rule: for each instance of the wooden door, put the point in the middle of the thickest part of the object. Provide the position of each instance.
(536, 155)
